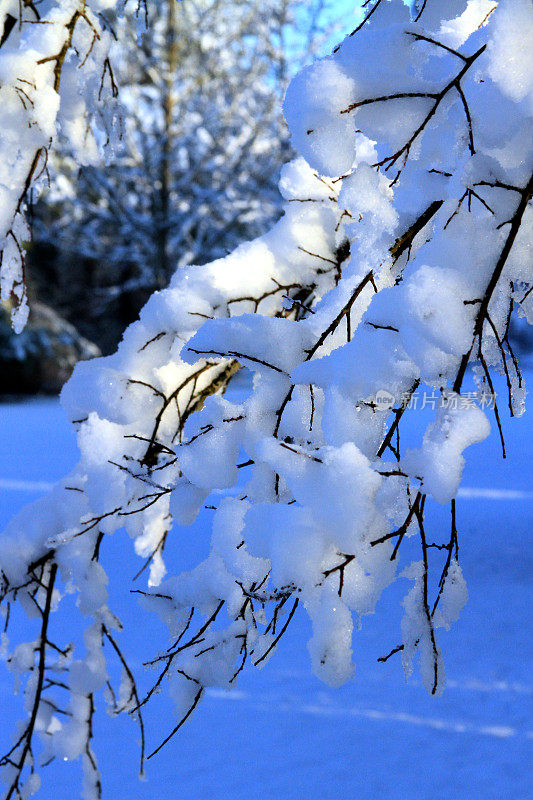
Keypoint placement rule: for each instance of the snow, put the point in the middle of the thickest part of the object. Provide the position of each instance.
(439, 462)
(513, 71)
(279, 343)
(374, 737)
(416, 635)
(312, 97)
(455, 32)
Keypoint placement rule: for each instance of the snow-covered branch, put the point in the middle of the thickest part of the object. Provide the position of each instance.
(375, 284)
(56, 78)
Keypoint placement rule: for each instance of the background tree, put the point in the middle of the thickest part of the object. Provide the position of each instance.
(198, 167)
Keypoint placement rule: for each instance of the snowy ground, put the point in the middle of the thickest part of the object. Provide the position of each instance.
(282, 735)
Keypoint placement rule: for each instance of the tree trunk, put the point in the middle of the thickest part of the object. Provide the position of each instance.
(163, 266)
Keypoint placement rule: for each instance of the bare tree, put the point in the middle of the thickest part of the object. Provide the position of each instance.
(205, 140)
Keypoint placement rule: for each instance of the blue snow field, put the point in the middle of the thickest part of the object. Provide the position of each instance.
(282, 735)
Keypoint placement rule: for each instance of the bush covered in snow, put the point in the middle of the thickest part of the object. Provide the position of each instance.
(42, 357)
